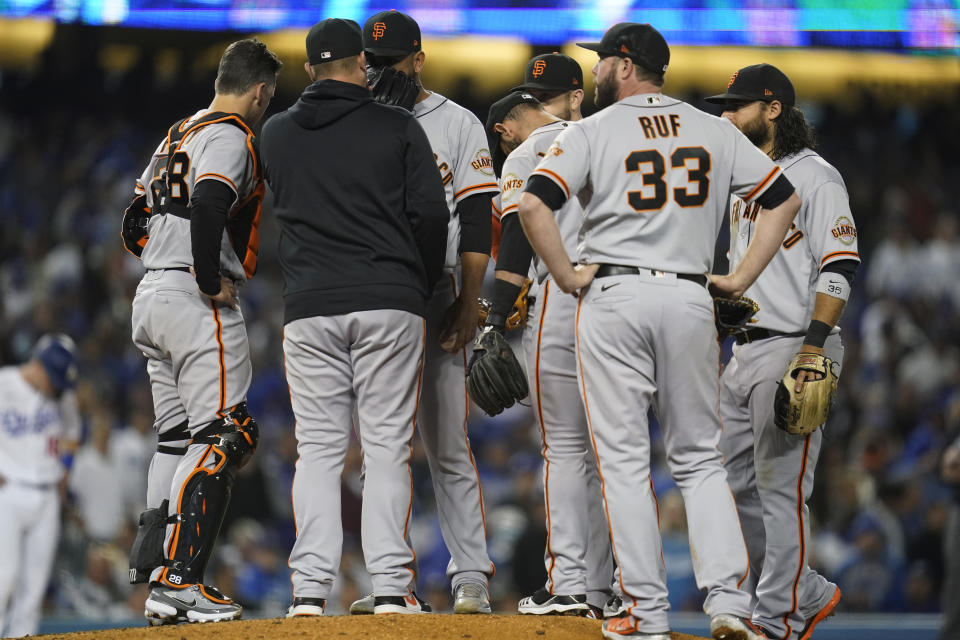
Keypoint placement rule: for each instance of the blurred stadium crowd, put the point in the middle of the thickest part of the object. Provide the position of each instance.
(68, 162)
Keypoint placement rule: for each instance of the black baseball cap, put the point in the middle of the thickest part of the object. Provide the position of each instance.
(391, 33)
(640, 42)
(552, 72)
(758, 82)
(332, 39)
(498, 112)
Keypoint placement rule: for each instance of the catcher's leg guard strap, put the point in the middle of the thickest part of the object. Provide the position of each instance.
(146, 554)
(179, 433)
(205, 494)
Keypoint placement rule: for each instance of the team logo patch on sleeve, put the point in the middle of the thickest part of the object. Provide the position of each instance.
(554, 149)
(511, 184)
(482, 162)
(844, 231)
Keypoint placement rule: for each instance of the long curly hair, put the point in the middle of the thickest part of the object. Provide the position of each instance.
(792, 133)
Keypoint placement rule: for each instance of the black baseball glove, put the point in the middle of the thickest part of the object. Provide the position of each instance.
(494, 377)
(390, 86)
(733, 314)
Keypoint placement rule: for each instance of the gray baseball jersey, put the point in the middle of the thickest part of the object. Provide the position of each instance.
(460, 148)
(655, 175)
(516, 170)
(823, 232)
(577, 555)
(662, 204)
(772, 505)
(218, 151)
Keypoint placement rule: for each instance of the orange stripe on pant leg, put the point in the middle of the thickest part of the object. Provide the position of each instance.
(223, 372)
(800, 563)
(656, 504)
(543, 432)
(593, 441)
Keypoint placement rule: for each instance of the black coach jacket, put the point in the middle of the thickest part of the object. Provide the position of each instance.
(359, 202)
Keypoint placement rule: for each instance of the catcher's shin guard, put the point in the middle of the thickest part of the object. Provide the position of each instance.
(205, 495)
(146, 554)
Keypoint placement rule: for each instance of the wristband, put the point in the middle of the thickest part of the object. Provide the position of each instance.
(817, 334)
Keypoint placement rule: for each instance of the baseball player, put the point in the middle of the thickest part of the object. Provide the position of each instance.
(392, 39)
(801, 296)
(577, 557)
(655, 174)
(39, 429)
(194, 225)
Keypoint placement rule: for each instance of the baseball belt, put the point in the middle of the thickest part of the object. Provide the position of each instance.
(607, 270)
(758, 333)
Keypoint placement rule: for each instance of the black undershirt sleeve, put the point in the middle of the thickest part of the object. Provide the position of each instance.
(476, 233)
(209, 205)
(776, 194)
(547, 190)
(846, 268)
(515, 250)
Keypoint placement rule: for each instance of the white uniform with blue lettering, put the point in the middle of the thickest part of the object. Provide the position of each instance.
(577, 555)
(656, 175)
(460, 148)
(772, 504)
(31, 428)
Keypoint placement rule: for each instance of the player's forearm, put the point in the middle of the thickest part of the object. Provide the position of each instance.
(771, 227)
(473, 267)
(542, 231)
(209, 206)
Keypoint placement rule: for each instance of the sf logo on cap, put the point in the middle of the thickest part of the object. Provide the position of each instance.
(732, 78)
(378, 30)
(538, 67)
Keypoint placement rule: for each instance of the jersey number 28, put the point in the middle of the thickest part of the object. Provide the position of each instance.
(652, 167)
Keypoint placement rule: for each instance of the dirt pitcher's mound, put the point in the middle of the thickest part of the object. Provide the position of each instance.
(438, 627)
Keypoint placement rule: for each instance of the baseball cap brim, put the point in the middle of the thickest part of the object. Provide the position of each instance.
(593, 46)
(378, 51)
(539, 86)
(728, 97)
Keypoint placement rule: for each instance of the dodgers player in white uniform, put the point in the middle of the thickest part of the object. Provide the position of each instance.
(194, 224)
(801, 295)
(577, 557)
(460, 149)
(656, 174)
(39, 429)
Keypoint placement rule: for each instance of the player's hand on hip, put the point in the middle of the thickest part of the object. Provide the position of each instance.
(576, 278)
(803, 376)
(227, 296)
(724, 286)
(459, 325)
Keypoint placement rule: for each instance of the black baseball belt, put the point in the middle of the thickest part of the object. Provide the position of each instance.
(607, 270)
(758, 333)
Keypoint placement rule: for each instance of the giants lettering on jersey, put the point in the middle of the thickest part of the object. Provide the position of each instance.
(482, 162)
(750, 212)
(844, 231)
(444, 168)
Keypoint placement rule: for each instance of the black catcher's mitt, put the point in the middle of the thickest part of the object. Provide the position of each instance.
(734, 314)
(390, 86)
(494, 377)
